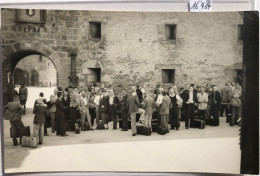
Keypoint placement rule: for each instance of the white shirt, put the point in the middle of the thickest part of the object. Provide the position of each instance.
(97, 99)
(159, 99)
(190, 97)
(111, 100)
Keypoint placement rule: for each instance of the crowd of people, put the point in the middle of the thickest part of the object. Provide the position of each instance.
(97, 106)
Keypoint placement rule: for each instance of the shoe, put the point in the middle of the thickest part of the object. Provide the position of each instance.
(177, 128)
(187, 128)
(91, 128)
(46, 134)
(53, 131)
(124, 130)
(40, 143)
(114, 128)
(15, 142)
(133, 134)
(64, 135)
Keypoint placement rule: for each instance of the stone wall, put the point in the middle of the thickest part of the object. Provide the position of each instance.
(133, 47)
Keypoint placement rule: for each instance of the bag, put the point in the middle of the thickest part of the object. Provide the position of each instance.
(33, 142)
(154, 127)
(209, 121)
(99, 125)
(86, 126)
(161, 130)
(197, 123)
(53, 108)
(77, 126)
(27, 141)
(23, 143)
(143, 130)
(235, 102)
(27, 132)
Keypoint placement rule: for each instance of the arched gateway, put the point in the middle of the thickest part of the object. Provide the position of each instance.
(12, 54)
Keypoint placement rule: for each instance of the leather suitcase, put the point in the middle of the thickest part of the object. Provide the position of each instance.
(154, 127)
(209, 121)
(77, 128)
(99, 125)
(27, 132)
(121, 124)
(197, 123)
(161, 130)
(86, 126)
(143, 130)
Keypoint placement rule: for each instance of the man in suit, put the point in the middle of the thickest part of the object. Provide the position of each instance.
(92, 109)
(102, 109)
(133, 105)
(149, 106)
(113, 103)
(13, 112)
(74, 104)
(84, 110)
(23, 94)
(190, 101)
(164, 111)
(215, 98)
(39, 120)
(66, 102)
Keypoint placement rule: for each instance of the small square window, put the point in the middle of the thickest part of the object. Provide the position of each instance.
(240, 32)
(170, 31)
(168, 76)
(94, 75)
(95, 29)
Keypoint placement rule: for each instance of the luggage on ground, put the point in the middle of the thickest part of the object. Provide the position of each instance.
(161, 130)
(197, 123)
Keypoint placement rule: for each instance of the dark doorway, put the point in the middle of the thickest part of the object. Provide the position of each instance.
(18, 76)
(34, 78)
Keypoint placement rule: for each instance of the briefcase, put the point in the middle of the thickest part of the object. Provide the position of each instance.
(19, 134)
(99, 125)
(197, 123)
(143, 130)
(161, 130)
(86, 126)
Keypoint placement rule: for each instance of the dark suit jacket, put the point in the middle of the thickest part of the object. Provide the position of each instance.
(13, 111)
(66, 102)
(165, 108)
(103, 104)
(218, 98)
(133, 104)
(149, 105)
(39, 111)
(139, 94)
(186, 97)
(115, 104)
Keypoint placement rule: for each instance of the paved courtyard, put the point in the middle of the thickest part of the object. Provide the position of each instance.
(214, 149)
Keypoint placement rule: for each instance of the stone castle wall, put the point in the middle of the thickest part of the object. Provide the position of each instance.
(133, 47)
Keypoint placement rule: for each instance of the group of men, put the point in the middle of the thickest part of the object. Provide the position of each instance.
(99, 106)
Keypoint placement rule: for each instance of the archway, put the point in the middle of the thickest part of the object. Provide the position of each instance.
(14, 53)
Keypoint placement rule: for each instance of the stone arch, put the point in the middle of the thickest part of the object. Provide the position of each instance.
(12, 54)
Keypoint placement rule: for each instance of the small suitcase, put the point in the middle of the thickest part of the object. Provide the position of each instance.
(197, 123)
(86, 126)
(27, 141)
(154, 127)
(33, 142)
(209, 121)
(27, 132)
(99, 125)
(77, 128)
(161, 130)
(143, 130)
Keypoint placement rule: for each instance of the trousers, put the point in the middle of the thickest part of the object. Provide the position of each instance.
(38, 132)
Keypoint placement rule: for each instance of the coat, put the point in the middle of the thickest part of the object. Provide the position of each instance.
(115, 104)
(165, 107)
(66, 102)
(186, 97)
(23, 93)
(60, 108)
(218, 98)
(133, 104)
(39, 111)
(202, 101)
(13, 111)
(103, 104)
(149, 105)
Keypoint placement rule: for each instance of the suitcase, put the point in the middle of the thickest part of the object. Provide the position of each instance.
(161, 130)
(209, 121)
(99, 125)
(27, 141)
(197, 123)
(27, 132)
(143, 130)
(86, 126)
(23, 142)
(77, 128)
(154, 127)
(33, 142)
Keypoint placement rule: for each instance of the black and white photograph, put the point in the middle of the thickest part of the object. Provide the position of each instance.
(122, 91)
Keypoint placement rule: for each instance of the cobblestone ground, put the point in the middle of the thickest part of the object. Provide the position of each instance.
(214, 149)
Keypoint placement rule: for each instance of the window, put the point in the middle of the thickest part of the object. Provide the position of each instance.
(240, 32)
(94, 75)
(40, 58)
(239, 76)
(170, 31)
(168, 76)
(95, 29)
